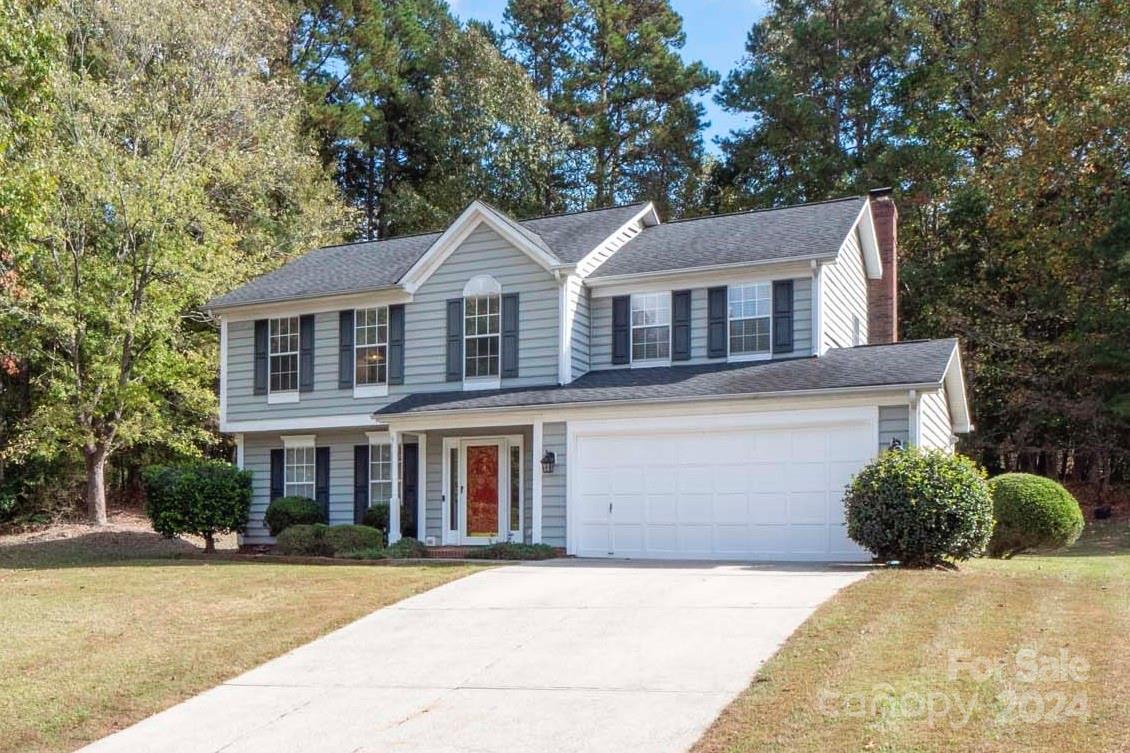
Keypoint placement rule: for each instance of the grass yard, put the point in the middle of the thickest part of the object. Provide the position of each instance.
(91, 642)
(930, 661)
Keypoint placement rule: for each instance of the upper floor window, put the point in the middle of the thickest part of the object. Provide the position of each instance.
(371, 345)
(651, 326)
(284, 354)
(482, 338)
(750, 309)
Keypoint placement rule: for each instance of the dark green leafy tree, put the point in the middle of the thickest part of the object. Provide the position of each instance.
(418, 114)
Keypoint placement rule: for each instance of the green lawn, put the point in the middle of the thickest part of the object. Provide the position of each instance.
(910, 662)
(91, 642)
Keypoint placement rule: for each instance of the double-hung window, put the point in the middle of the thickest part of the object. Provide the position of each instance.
(750, 309)
(482, 338)
(284, 354)
(299, 468)
(370, 349)
(651, 327)
(380, 474)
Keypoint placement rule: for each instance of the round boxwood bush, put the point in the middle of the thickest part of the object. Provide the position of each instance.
(920, 507)
(407, 548)
(376, 517)
(201, 498)
(348, 538)
(1032, 512)
(285, 512)
(305, 539)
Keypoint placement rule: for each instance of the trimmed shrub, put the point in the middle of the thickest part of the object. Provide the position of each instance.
(407, 548)
(304, 539)
(1032, 512)
(513, 551)
(376, 517)
(201, 498)
(920, 507)
(285, 512)
(351, 537)
(363, 554)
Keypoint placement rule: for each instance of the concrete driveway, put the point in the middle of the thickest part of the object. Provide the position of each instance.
(557, 657)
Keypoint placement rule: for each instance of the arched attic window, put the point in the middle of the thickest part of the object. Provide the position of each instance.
(482, 308)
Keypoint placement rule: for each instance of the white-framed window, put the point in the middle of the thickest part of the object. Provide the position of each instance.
(370, 345)
(651, 327)
(299, 471)
(380, 473)
(283, 354)
(750, 309)
(482, 339)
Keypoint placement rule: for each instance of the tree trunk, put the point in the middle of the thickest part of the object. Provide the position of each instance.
(96, 483)
(209, 542)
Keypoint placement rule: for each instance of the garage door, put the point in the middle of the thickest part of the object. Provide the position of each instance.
(773, 493)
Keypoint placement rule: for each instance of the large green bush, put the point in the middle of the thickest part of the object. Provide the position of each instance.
(350, 537)
(1032, 512)
(305, 539)
(920, 507)
(407, 548)
(202, 498)
(284, 512)
(376, 517)
(509, 550)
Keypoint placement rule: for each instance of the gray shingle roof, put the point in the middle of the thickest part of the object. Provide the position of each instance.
(789, 232)
(358, 267)
(909, 363)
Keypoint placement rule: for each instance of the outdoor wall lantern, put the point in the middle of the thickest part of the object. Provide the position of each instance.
(548, 461)
(896, 444)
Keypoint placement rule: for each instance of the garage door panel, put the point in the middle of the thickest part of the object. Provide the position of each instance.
(755, 493)
(808, 507)
(662, 508)
(731, 509)
(769, 508)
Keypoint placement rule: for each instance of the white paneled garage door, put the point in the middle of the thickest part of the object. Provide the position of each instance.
(688, 491)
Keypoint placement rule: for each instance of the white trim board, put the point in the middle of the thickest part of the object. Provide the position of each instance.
(350, 421)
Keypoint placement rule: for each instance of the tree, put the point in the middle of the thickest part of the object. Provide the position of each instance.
(615, 77)
(416, 111)
(176, 171)
(817, 81)
(202, 498)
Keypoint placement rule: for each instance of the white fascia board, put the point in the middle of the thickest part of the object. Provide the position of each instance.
(315, 304)
(956, 397)
(474, 215)
(868, 240)
(359, 420)
(502, 416)
(691, 277)
(647, 216)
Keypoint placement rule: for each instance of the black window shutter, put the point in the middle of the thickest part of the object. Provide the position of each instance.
(360, 481)
(345, 349)
(621, 329)
(278, 473)
(322, 479)
(681, 325)
(782, 316)
(262, 338)
(716, 305)
(306, 353)
(510, 335)
(396, 344)
(455, 340)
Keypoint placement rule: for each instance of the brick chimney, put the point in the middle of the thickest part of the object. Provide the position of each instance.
(882, 294)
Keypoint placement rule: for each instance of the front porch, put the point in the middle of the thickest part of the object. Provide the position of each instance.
(474, 485)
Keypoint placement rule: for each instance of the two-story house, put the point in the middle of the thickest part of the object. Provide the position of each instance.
(601, 381)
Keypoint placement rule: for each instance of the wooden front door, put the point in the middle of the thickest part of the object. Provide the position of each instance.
(483, 490)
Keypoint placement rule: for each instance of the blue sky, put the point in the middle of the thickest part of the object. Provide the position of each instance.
(716, 32)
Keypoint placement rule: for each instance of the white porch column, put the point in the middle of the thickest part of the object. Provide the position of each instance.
(394, 498)
(239, 451)
(535, 453)
(421, 484)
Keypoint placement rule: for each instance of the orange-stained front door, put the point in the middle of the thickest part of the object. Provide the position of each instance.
(483, 464)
